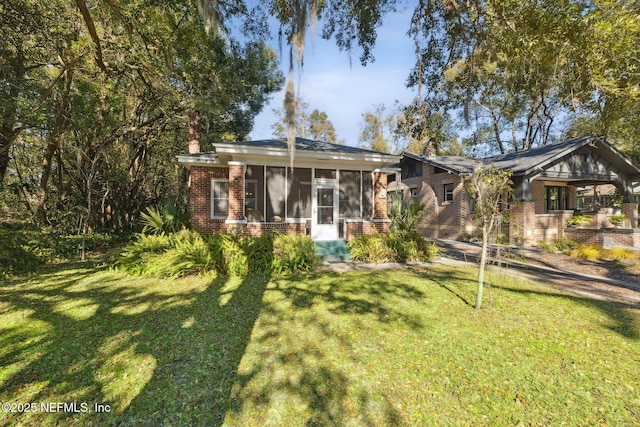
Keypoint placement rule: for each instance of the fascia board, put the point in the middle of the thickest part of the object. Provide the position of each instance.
(305, 154)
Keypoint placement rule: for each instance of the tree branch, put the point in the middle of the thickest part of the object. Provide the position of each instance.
(94, 35)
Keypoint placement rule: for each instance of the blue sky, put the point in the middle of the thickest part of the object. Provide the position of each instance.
(345, 89)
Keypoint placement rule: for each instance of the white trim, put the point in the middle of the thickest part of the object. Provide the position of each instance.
(382, 220)
(305, 154)
(296, 220)
(236, 221)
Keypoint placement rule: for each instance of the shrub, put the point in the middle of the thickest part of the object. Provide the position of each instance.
(134, 258)
(588, 252)
(405, 216)
(235, 261)
(371, 248)
(260, 253)
(167, 219)
(189, 254)
(394, 247)
(293, 254)
(621, 254)
(562, 244)
(579, 219)
(178, 254)
(24, 247)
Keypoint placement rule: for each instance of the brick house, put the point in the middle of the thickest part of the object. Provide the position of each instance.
(547, 183)
(332, 191)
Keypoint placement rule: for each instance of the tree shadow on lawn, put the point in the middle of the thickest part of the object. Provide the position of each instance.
(161, 356)
(363, 292)
(302, 351)
(155, 357)
(451, 280)
(622, 322)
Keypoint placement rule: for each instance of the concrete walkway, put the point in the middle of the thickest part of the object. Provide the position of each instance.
(454, 253)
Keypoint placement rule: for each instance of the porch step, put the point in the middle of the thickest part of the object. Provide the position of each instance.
(332, 250)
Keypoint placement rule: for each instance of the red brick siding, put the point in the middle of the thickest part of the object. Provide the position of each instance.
(631, 212)
(623, 237)
(200, 197)
(236, 192)
(379, 204)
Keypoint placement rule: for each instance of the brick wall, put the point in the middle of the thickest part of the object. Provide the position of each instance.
(236, 192)
(379, 204)
(631, 212)
(200, 197)
(358, 228)
(443, 219)
(614, 237)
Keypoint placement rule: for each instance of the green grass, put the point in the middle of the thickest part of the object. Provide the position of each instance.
(398, 347)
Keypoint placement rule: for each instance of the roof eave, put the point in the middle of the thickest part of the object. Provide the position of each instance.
(307, 154)
(199, 160)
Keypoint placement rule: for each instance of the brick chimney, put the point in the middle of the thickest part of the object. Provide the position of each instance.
(194, 132)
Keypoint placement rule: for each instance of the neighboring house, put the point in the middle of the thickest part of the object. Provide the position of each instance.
(332, 191)
(545, 181)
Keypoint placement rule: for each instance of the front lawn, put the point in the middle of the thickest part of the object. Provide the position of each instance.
(395, 347)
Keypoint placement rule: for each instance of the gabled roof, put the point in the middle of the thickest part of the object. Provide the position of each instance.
(535, 159)
(454, 164)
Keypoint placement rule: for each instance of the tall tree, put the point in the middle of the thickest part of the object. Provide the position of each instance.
(518, 67)
(315, 125)
(379, 130)
(105, 93)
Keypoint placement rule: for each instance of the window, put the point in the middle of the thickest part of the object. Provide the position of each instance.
(219, 198)
(325, 174)
(254, 192)
(448, 192)
(556, 198)
(276, 180)
(299, 193)
(414, 193)
(350, 197)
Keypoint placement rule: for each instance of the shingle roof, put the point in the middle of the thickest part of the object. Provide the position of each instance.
(523, 161)
(304, 144)
(527, 161)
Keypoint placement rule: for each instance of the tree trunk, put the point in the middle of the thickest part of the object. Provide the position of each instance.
(483, 263)
(62, 122)
(194, 133)
(4, 158)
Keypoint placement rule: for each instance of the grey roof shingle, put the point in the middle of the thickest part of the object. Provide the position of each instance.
(304, 144)
(526, 161)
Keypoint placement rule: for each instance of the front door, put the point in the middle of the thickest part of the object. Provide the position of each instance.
(324, 220)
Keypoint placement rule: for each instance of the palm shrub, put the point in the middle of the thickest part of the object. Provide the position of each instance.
(405, 216)
(403, 243)
(189, 254)
(134, 258)
(167, 219)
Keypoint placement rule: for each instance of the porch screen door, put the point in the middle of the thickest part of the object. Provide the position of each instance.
(324, 220)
